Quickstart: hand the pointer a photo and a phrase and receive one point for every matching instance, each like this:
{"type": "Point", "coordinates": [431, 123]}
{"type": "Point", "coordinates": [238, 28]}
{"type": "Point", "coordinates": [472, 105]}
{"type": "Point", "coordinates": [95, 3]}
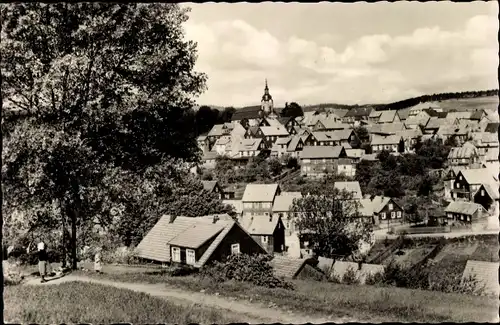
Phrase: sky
{"type": "Point", "coordinates": [345, 53]}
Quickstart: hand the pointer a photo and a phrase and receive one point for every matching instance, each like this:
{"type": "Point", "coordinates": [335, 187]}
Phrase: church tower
{"type": "Point", "coordinates": [266, 102]}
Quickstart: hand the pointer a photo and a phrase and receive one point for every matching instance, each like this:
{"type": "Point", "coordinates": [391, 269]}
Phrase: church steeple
{"type": "Point", "coordinates": [267, 100]}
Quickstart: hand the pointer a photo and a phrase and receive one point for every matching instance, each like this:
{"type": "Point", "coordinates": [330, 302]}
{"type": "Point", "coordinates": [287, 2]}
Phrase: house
{"type": "Point", "coordinates": [459, 115]}
{"type": "Point", "coordinates": [352, 188]}
{"type": "Point", "coordinates": [381, 210]}
{"type": "Point", "coordinates": [195, 241]}
{"type": "Point", "coordinates": [420, 120]}
{"type": "Point", "coordinates": [465, 156]}
{"type": "Point", "coordinates": [391, 143]}
{"type": "Point", "coordinates": [484, 141]}
{"type": "Point", "coordinates": [384, 116]}
{"type": "Point", "coordinates": [332, 138]}
{"type": "Point", "coordinates": [251, 132]}
{"type": "Point", "coordinates": [486, 273]}
{"type": "Point", "coordinates": [289, 123]}
{"type": "Point", "coordinates": [213, 187]}
{"type": "Point", "coordinates": [404, 113]}
{"type": "Point", "coordinates": [317, 161]}
{"type": "Point", "coordinates": [449, 180]}
{"type": "Point", "coordinates": [419, 108]}
{"type": "Point", "coordinates": [249, 148]}
{"type": "Point", "coordinates": [221, 144]}
{"type": "Point", "coordinates": [282, 207]}
{"type": "Point", "coordinates": [346, 166]}
{"type": "Point", "coordinates": [295, 146]}
{"type": "Point", "coordinates": [269, 134]}
{"type": "Point", "coordinates": [487, 195]}
{"type": "Point", "coordinates": [209, 159]}
{"type": "Point", "coordinates": [269, 231]}
{"type": "Point", "coordinates": [468, 181]}
{"type": "Point", "coordinates": [354, 154]}
{"type": "Point", "coordinates": [295, 268]}
{"type": "Point", "coordinates": [203, 143]}
{"type": "Point", "coordinates": [247, 116]}
{"type": "Point", "coordinates": [280, 147]}
{"type": "Point", "coordinates": [435, 113]}
{"type": "Point", "coordinates": [448, 131]}
{"type": "Point", "coordinates": [329, 124]}
{"type": "Point", "coordinates": [435, 123]}
{"type": "Point", "coordinates": [466, 212]}
{"type": "Point", "coordinates": [386, 129]}
{"type": "Point", "coordinates": [357, 114]}
{"type": "Point", "coordinates": [410, 138]}
{"type": "Point", "coordinates": [478, 115]}
{"type": "Point", "coordinates": [258, 199]}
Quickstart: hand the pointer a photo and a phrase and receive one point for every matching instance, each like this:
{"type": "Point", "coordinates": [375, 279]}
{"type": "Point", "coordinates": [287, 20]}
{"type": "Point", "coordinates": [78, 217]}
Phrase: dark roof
{"type": "Point", "coordinates": [251, 112]}
{"type": "Point", "coordinates": [287, 267]}
{"type": "Point", "coordinates": [359, 111]}
{"type": "Point", "coordinates": [477, 115]}
{"type": "Point", "coordinates": [252, 130]}
{"type": "Point", "coordinates": [284, 120]}
{"type": "Point", "coordinates": [492, 127]}
{"type": "Point", "coordinates": [433, 113]}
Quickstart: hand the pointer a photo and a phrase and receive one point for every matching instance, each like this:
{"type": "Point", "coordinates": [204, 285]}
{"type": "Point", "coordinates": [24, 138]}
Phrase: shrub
{"type": "Point", "coordinates": [120, 255]}
{"type": "Point", "coordinates": [374, 278]}
{"type": "Point", "coordinates": [254, 269]}
{"type": "Point", "coordinates": [334, 278]}
{"type": "Point", "coordinates": [350, 277]}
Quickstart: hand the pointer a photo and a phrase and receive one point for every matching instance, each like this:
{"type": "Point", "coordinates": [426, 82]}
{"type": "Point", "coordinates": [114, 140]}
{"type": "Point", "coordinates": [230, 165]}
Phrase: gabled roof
{"type": "Point", "coordinates": [386, 128]}
{"type": "Point", "coordinates": [387, 116]}
{"type": "Point", "coordinates": [466, 151]}
{"type": "Point", "coordinates": [283, 141]}
{"type": "Point", "coordinates": [433, 113]}
{"type": "Point", "coordinates": [486, 273]}
{"type": "Point", "coordinates": [201, 138]}
{"type": "Point", "coordinates": [260, 192]}
{"type": "Point", "coordinates": [416, 120]}
{"type": "Point", "coordinates": [381, 140]}
{"type": "Point", "coordinates": [463, 207]}
{"type": "Point", "coordinates": [197, 234]}
{"type": "Point", "coordinates": [370, 206]}
{"type": "Point", "coordinates": [492, 154]}
{"type": "Point", "coordinates": [492, 127]}
{"type": "Point", "coordinates": [422, 106]}
{"type": "Point", "coordinates": [459, 115]}
{"type": "Point", "coordinates": [331, 124]}
{"type": "Point", "coordinates": [350, 187]}
{"type": "Point", "coordinates": [285, 120]}
{"type": "Point", "coordinates": [435, 123]}
{"type": "Point", "coordinates": [410, 134]}
{"type": "Point", "coordinates": [259, 225]}
{"type": "Point", "coordinates": [249, 144]}
{"type": "Point", "coordinates": [403, 113]}
{"type": "Point", "coordinates": [217, 130]}
{"type": "Point", "coordinates": [340, 112]}
{"type": "Point", "coordinates": [319, 152]}
{"type": "Point", "coordinates": [252, 130]}
{"type": "Point", "coordinates": [478, 176]}
{"type": "Point", "coordinates": [294, 142]}
{"type": "Point", "coordinates": [287, 267]}
{"type": "Point", "coordinates": [273, 130]}
{"type": "Point", "coordinates": [477, 115]}
{"type": "Point", "coordinates": [491, 190]}
{"type": "Point", "coordinates": [451, 130]}
{"type": "Point", "coordinates": [355, 153]}
{"type": "Point", "coordinates": [223, 140]}
{"type": "Point", "coordinates": [359, 112]}
{"type": "Point", "coordinates": [209, 185]}
{"type": "Point", "coordinates": [336, 135]}
{"type": "Point", "coordinates": [284, 201]}
{"type": "Point", "coordinates": [154, 245]}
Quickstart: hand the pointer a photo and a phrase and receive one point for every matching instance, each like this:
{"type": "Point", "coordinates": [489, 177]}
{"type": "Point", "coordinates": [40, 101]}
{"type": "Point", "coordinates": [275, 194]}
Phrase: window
{"type": "Point", "coordinates": [393, 215]}
{"type": "Point", "coordinates": [264, 239]}
{"type": "Point", "coordinates": [382, 215]}
{"type": "Point", "coordinates": [190, 257]}
{"type": "Point", "coordinates": [390, 206]}
{"type": "Point", "coordinates": [468, 218]}
{"type": "Point", "coordinates": [399, 214]}
{"type": "Point", "coordinates": [458, 185]}
{"type": "Point", "coordinates": [176, 254]}
{"type": "Point", "coordinates": [235, 249]}
{"type": "Point", "coordinates": [460, 177]}
{"type": "Point", "coordinates": [482, 192]}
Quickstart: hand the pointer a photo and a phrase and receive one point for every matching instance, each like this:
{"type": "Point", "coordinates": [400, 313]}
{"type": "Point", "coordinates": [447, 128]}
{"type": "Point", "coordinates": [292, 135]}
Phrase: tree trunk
{"type": "Point", "coordinates": [73, 239]}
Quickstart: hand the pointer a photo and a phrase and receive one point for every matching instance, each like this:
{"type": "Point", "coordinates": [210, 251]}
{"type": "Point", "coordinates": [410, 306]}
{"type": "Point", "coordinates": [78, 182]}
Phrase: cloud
{"type": "Point", "coordinates": [373, 68]}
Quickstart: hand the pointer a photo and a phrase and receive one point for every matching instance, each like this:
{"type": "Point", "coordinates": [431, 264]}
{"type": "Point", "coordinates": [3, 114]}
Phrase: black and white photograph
{"type": "Point", "coordinates": [261, 163]}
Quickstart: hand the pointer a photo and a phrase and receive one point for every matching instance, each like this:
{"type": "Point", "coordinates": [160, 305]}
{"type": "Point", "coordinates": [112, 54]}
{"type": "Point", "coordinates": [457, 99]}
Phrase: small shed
{"type": "Point", "coordinates": [294, 268]}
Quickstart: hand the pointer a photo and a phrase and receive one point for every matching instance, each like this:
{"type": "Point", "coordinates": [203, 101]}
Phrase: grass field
{"type": "Point", "coordinates": [411, 256]}
{"type": "Point", "coordinates": [376, 304]}
{"type": "Point", "coordinates": [466, 104]}
{"type": "Point", "coordinates": [92, 303]}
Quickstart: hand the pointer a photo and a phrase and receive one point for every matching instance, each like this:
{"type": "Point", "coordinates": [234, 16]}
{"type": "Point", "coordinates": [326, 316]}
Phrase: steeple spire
{"type": "Point", "coordinates": [266, 89]}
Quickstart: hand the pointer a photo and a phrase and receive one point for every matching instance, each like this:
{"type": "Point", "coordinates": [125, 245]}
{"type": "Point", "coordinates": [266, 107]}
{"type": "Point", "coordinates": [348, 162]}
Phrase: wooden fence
{"type": "Point", "coordinates": [423, 230]}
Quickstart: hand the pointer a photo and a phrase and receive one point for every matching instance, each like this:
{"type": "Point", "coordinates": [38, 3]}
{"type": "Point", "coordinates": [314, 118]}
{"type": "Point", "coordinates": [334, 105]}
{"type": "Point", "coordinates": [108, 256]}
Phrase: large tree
{"type": "Point", "coordinates": [331, 223]}
{"type": "Point", "coordinates": [102, 86]}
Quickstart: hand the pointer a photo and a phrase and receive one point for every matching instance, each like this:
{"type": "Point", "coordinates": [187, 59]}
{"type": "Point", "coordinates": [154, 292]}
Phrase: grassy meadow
{"type": "Point", "coordinates": [367, 303]}
{"type": "Point", "coordinates": [77, 302]}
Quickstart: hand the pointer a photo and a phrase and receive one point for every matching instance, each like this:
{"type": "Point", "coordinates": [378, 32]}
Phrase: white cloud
{"type": "Point", "coordinates": [373, 68]}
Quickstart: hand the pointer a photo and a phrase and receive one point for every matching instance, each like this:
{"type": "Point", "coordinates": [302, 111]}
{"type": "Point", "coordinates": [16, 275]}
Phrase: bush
{"type": "Point", "coordinates": [374, 278]}
{"type": "Point", "coordinates": [253, 269]}
{"type": "Point", "coordinates": [120, 255]}
{"type": "Point", "coordinates": [350, 277]}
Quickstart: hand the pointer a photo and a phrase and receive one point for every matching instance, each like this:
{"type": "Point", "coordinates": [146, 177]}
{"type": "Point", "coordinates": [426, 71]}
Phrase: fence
{"type": "Point", "coordinates": [423, 230]}
{"type": "Point", "coordinates": [433, 253]}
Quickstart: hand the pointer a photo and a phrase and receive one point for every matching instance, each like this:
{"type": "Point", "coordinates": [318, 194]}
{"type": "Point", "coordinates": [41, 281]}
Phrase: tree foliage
{"type": "Point", "coordinates": [331, 223]}
{"type": "Point", "coordinates": [107, 91]}
{"type": "Point", "coordinates": [292, 110]}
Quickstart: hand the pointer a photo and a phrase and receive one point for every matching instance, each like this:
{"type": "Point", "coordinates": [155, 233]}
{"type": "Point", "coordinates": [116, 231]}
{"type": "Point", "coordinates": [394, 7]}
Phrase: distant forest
{"type": "Point", "coordinates": [410, 101]}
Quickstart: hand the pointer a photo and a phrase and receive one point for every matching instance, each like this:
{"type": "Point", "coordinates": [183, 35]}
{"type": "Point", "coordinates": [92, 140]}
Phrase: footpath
{"type": "Point", "coordinates": [251, 312]}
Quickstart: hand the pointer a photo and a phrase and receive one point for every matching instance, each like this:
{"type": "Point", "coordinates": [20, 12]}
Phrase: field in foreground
{"type": "Point", "coordinates": [364, 302]}
{"type": "Point", "coordinates": [76, 302]}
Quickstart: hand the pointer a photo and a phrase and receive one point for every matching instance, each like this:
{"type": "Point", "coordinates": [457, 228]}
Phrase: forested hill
{"type": "Point", "coordinates": [411, 101]}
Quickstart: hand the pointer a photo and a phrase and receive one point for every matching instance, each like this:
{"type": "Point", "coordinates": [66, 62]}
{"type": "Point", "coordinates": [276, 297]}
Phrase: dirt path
{"type": "Point", "coordinates": [250, 312]}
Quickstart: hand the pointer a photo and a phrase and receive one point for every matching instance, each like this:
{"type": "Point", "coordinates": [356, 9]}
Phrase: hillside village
{"type": "Point", "coordinates": [328, 145]}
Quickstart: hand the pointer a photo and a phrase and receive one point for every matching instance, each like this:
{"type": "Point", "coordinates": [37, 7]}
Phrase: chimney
{"type": "Point", "coordinates": [215, 219]}
{"type": "Point", "coordinates": [270, 217]}
{"type": "Point", "coordinates": [172, 219]}
{"type": "Point", "coordinates": [360, 265]}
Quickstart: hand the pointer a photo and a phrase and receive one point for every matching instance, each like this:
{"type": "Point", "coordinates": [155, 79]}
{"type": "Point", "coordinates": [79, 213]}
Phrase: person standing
{"type": "Point", "coordinates": [98, 261]}
{"type": "Point", "coordinates": [42, 261]}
